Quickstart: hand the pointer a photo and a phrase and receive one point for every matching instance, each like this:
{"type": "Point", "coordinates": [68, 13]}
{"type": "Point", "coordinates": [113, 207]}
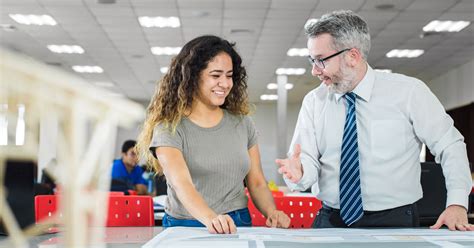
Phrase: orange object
{"type": "Point", "coordinates": [116, 193]}
{"type": "Point", "coordinates": [123, 210]}
{"type": "Point", "coordinates": [301, 210]}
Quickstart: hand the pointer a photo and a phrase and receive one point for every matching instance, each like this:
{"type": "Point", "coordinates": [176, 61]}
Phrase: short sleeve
{"type": "Point", "coordinates": [164, 137]}
{"type": "Point", "coordinates": [252, 132]}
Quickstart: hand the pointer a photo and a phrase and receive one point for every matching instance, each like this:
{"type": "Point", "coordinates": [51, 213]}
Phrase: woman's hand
{"type": "Point", "coordinates": [278, 218]}
{"type": "Point", "coordinates": [221, 224]}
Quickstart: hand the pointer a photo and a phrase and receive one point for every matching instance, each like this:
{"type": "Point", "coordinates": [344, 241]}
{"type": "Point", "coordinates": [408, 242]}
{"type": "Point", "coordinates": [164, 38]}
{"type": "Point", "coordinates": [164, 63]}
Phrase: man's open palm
{"type": "Point", "coordinates": [291, 167]}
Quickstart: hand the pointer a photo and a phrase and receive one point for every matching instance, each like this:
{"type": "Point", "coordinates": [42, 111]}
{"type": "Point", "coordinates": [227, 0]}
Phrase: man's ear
{"type": "Point", "coordinates": [354, 56]}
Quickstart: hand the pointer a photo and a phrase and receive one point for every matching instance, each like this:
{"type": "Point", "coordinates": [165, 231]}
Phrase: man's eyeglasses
{"type": "Point", "coordinates": [320, 62]}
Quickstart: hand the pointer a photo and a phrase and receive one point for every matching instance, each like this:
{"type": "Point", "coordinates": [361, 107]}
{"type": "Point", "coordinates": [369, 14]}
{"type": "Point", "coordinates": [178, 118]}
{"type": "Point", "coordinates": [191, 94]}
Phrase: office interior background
{"type": "Point", "coordinates": [125, 47]}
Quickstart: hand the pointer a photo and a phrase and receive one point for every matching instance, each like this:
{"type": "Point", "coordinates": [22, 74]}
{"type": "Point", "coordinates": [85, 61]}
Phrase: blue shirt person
{"type": "Point", "coordinates": [126, 174]}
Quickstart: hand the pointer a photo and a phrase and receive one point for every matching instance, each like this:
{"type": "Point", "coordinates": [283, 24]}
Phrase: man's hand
{"type": "Point", "coordinates": [455, 218]}
{"type": "Point", "coordinates": [278, 219]}
{"type": "Point", "coordinates": [222, 224]}
{"type": "Point", "coordinates": [291, 167]}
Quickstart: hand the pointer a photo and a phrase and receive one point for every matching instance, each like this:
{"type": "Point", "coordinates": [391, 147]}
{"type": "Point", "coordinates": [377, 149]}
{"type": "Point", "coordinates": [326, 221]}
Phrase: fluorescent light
{"type": "Point", "coordinates": [87, 69]}
{"type": "Point", "coordinates": [383, 70]}
{"type": "Point", "coordinates": [458, 26]}
{"type": "Point", "coordinates": [302, 52]}
{"type": "Point", "coordinates": [290, 71]}
{"type": "Point", "coordinates": [164, 70]}
{"type": "Point", "coordinates": [415, 53]}
{"type": "Point", "coordinates": [269, 97]}
{"type": "Point", "coordinates": [66, 49]}
{"type": "Point", "coordinates": [404, 53]}
{"type": "Point", "coordinates": [165, 50]}
{"type": "Point", "coordinates": [445, 26]}
{"type": "Point", "coordinates": [105, 84]}
{"type": "Point", "coordinates": [159, 21]}
{"type": "Point", "coordinates": [274, 86]}
{"type": "Point", "coordinates": [34, 19]}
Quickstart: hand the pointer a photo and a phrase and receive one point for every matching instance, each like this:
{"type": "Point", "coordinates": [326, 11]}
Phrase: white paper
{"type": "Point", "coordinates": [178, 237]}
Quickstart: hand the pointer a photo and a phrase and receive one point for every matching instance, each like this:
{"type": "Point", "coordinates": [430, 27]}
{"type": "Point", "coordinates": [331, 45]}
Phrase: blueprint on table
{"type": "Point", "coordinates": [261, 237]}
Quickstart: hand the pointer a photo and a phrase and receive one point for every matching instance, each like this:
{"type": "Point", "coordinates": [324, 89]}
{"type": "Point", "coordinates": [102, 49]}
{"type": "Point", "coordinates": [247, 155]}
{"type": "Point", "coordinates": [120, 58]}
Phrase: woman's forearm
{"type": "Point", "coordinates": [263, 199]}
{"type": "Point", "coordinates": [194, 203]}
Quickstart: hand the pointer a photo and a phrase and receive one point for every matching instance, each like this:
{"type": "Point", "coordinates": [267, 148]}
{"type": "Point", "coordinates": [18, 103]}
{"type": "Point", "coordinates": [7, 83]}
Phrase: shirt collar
{"type": "Point", "coordinates": [364, 89]}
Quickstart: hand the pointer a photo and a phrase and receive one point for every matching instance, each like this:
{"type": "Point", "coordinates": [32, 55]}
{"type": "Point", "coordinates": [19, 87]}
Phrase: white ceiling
{"type": "Point", "coordinates": [114, 40]}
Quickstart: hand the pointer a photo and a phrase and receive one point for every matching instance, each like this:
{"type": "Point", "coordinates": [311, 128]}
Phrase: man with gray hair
{"type": "Point", "coordinates": [359, 134]}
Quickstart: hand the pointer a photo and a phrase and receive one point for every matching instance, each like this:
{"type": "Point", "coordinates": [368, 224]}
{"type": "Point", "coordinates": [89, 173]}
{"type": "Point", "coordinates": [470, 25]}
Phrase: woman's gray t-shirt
{"type": "Point", "coordinates": [217, 159]}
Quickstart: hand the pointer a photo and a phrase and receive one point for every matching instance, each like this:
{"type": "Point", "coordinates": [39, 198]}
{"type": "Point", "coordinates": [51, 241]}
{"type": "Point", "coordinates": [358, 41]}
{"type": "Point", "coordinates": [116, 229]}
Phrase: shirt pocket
{"type": "Point", "coordinates": [388, 139]}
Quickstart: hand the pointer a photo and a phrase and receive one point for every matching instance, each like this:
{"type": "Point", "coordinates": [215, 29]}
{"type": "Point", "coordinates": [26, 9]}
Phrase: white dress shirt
{"type": "Point", "coordinates": [396, 114]}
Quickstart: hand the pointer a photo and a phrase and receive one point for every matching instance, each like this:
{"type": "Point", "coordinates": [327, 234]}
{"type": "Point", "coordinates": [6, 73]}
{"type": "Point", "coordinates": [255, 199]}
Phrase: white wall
{"type": "Point", "coordinates": [456, 87]}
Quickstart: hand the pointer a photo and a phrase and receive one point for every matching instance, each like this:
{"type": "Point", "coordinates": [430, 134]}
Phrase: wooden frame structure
{"type": "Point", "coordinates": [84, 156]}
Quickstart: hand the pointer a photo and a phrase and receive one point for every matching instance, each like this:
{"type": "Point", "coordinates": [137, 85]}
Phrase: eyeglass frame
{"type": "Point", "coordinates": [313, 61]}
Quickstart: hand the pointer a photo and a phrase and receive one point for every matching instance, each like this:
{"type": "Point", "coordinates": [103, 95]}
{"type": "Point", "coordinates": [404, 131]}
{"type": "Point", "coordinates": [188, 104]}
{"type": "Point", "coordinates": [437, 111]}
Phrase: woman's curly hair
{"type": "Point", "coordinates": [174, 94]}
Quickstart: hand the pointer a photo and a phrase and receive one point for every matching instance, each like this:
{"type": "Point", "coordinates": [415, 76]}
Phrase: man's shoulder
{"type": "Point", "coordinates": [317, 96]}
{"type": "Point", "coordinates": [319, 93]}
{"type": "Point", "coordinates": [116, 163]}
{"type": "Point", "coordinates": [397, 79]}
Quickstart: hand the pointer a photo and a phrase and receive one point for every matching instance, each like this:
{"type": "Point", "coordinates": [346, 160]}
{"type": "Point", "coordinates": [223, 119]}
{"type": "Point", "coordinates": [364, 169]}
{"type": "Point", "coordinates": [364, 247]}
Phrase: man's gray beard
{"type": "Point", "coordinates": [345, 83]}
{"type": "Point", "coordinates": [341, 87]}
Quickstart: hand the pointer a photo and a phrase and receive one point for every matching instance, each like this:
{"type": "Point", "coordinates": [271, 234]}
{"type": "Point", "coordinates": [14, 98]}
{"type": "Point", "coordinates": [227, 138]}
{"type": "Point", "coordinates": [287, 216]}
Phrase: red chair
{"type": "Point", "coordinates": [123, 210]}
{"type": "Point", "coordinates": [301, 210]}
{"type": "Point", "coordinates": [45, 207]}
{"type": "Point", "coordinates": [130, 211]}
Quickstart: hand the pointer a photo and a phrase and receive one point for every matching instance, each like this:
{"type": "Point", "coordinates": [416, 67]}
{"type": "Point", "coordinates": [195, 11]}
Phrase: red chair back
{"type": "Point", "coordinates": [301, 210]}
{"type": "Point", "coordinates": [123, 210]}
{"type": "Point", "coordinates": [130, 211]}
{"type": "Point", "coordinates": [45, 207]}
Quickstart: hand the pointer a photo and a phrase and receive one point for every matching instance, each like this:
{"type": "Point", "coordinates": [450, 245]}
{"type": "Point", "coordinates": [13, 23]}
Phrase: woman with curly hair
{"type": "Point", "coordinates": [197, 133]}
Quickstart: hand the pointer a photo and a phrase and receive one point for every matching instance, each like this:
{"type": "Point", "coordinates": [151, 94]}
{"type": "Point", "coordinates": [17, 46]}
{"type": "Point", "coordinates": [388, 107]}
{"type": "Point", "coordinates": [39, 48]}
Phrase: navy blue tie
{"type": "Point", "coordinates": [350, 196]}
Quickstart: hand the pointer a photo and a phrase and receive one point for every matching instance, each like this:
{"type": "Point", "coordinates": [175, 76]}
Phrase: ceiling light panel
{"type": "Point", "coordinates": [87, 69]}
{"type": "Point", "coordinates": [159, 21]}
{"type": "Point", "coordinates": [34, 19]}
{"type": "Point", "coordinates": [302, 52]}
{"type": "Point", "coordinates": [290, 71]}
{"type": "Point", "coordinates": [165, 50]}
{"type": "Point", "coordinates": [66, 49]}
{"type": "Point", "coordinates": [274, 86]}
{"type": "Point", "coordinates": [445, 26]}
{"type": "Point", "coordinates": [404, 53]}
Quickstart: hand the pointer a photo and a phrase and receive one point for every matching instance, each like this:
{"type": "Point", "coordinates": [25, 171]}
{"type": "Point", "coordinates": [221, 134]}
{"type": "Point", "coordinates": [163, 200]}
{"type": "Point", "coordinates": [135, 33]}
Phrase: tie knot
{"type": "Point", "coordinates": [350, 98]}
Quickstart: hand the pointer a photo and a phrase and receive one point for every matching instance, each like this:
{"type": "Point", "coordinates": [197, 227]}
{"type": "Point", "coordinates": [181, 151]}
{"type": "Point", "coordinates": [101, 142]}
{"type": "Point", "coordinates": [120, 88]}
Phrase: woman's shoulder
{"type": "Point", "coordinates": [239, 119]}
{"type": "Point", "coordinates": [163, 127]}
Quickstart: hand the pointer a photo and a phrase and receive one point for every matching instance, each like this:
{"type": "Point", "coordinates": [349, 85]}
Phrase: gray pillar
{"type": "Point", "coordinates": [281, 116]}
